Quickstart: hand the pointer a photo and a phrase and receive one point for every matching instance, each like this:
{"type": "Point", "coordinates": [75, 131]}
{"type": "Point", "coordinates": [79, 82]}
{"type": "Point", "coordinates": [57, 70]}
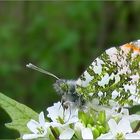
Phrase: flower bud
{"type": "Point", "coordinates": [95, 132]}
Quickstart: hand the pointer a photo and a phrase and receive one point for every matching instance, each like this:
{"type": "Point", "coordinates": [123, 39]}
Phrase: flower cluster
{"type": "Point", "coordinates": [91, 123]}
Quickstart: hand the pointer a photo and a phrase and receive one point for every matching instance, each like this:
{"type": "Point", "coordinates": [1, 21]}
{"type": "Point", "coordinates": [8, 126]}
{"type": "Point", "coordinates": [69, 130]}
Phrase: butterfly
{"type": "Point", "coordinates": [114, 75]}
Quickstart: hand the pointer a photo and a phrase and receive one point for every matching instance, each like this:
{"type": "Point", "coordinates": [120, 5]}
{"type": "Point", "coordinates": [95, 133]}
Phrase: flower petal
{"type": "Point", "coordinates": [133, 117]}
{"type": "Point", "coordinates": [78, 127]}
{"type": "Point", "coordinates": [112, 125]}
{"type": "Point", "coordinates": [29, 136]}
{"type": "Point", "coordinates": [66, 134]}
{"type": "Point", "coordinates": [132, 136]}
{"type": "Point", "coordinates": [71, 114]}
{"type": "Point", "coordinates": [87, 134]}
{"type": "Point", "coordinates": [107, 136]}
{"type": "Point", "coordinates": [73, 120]}
{"type": "Point", "coordinates": [55, 124]}
{"type": "Point", "coordinates": [41, 119]}
{"type": "Point", "coordinates": [55, 111]}
{"type": "Point", "coordinates": [47, 124]}
{"type": "Point", "coordinates": [124, 126]}
{"type": "Point", "coordinates": [32, 125]}
{"type": "Point", "coordinates": [125, 111]}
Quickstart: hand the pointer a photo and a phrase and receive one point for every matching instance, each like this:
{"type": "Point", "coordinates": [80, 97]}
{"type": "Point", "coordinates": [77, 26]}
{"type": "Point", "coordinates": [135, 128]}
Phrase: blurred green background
{"type": "Point", "coordinates": [61, 37]}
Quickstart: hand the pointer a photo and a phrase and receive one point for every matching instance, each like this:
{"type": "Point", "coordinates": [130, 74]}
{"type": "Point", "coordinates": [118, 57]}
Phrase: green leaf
{"type": "Point", "coordinates": [19, 113]}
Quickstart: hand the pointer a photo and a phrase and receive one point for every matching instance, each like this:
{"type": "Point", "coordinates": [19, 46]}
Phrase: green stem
{"type": "Point", "coordinates": [137, 127]}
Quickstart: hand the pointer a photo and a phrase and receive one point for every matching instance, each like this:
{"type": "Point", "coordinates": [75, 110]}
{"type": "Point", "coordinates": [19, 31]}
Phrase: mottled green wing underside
{"type": "Point", "coordinates": [114, 75]}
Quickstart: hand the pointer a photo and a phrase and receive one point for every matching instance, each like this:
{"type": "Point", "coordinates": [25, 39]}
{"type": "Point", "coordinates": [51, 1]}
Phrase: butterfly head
{"type": "Point", "coordinates": [61, 86]}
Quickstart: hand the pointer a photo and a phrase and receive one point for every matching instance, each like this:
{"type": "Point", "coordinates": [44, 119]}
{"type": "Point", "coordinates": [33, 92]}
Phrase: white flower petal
{"type": "Point", "coordinates": [107, 136]}
{"type": "Point", "coordinates": [125, 111]}
{"type": "Point", "coordinates": [112, 125]}
{"type": "Point", "coordinates": [87, 134]}
{"type": "Point", "coordinates": [41, 118]}
{"type": "Point", "coordinates": [55, 111]}
{"type": "Point", "coordinates": [73, 120]}
{"type": "Point", "coordinates": [38, 129]}
{"type": "Point", "coordinates": [56, 124]}
{"type": "Point", "coordinates": [47, 124]}
{"type": "Point", "coordinates": [66, 134]}
{"type": "Point", "coordinates": [32, 125]}
{"type": "Point", "coordinates": [124, 126]}
{"type": "Point", "coordinates": [132, 136]}
{"type": "Point", "coordinates": [70, 115]}
{"type": "Point", "coordinates": [132, 118]}
{"type": "Point", "coordinates": [78, 127]}
{"type": "Point", "coordinates": [29, 136]}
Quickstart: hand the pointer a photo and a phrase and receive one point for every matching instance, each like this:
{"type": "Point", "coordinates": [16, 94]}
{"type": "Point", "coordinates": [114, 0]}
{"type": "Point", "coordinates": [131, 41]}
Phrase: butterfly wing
{"type": "Point", "coordinates": [114, 75]}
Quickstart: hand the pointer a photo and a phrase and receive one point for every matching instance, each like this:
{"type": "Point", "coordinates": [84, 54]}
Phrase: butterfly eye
{"type": "Point", "coordinates": [64, 87]}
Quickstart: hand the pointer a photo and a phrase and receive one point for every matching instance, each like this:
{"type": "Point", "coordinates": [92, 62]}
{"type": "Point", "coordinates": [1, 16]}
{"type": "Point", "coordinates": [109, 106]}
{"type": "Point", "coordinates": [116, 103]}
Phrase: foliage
{"type": "Point", "coordinates": [19, 113]}
{"type": "Point", "coordinates": [63, 37]}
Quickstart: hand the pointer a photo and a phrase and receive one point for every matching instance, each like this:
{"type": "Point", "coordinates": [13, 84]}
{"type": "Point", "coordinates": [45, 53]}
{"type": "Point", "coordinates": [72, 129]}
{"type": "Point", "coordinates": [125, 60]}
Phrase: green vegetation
{"type": "Point", "coordinates": [62, 37]}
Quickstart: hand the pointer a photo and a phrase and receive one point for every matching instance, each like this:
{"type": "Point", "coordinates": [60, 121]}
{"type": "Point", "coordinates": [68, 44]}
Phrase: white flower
{"type": "Point", "coordinates": [61, 116]}
{"type": "Point", "coordinates": [67, 134]}
{"type": "Point", "coordinates": [120, 112]}
{"type": "Point", "coordinates": [116, 112]}
{"type": "Point", "coordinates": [82, 132]}
{"type": "Point", "coordinates": [39, 129]}
{"type": "Point", "coordinates": [94, 104]}
{"type": "Point", "coordinates": [77, 127]}
{"type": "Point", "coordinates": [122, 130]}
{"type": "Point", "coordinates": [87, 134]}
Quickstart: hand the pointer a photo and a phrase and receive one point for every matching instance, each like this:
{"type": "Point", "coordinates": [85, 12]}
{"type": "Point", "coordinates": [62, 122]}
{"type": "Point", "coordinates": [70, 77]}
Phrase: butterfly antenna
{"type": "Point", "coordinates": [31, 66]}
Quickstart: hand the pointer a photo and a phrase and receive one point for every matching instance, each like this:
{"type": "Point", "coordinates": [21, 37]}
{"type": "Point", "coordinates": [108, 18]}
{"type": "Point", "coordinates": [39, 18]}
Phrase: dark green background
{"type": "Point", "coordinates": [62, 37]}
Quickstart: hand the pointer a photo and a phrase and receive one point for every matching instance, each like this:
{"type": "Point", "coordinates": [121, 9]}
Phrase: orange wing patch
{"type": "Point", "coordinates": [132, 46]}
